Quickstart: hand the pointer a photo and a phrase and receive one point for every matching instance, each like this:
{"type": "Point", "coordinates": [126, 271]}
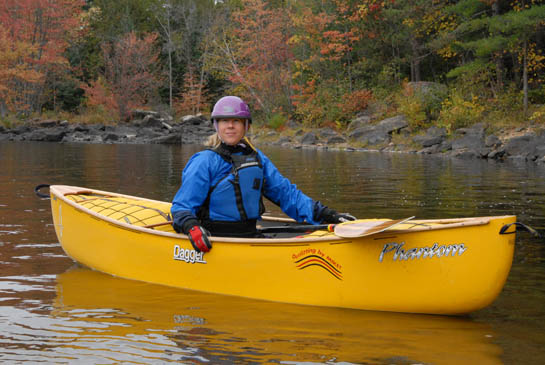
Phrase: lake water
{"type": "Point", "coordinates": [54, 311]}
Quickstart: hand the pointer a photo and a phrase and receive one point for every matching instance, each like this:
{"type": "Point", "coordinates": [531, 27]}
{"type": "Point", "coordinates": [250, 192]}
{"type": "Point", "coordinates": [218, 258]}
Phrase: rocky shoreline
{"type": "Point", "coordinates": [363, 134]}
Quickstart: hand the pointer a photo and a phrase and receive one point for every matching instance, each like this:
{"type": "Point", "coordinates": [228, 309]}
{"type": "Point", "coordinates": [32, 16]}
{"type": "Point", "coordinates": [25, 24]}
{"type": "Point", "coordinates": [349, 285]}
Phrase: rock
{"type": "Point", "coordinates": [151, 121]}
{"type": "Point", "coordinates": [172, 138]}
{"type": "Point", "coordinates": [194, 119]}
{"type": "Point", "coordinates": [476, 130]}
{"type": "Point", "coordinates": [358, 122]}
{"type": "Point", "coordinates": [492, 141]}
{"type": "Point", "coordinates": [52, 135]}
{"type": "Point", "coordinates": [326, 132]}
{"type": "Point", "coordinates": [470, 142]}
{"type": "Point", "coordinates": [141, 114]}
{"type": "Point", "coordinates": [496, 154]}
{"type": "Point", "coordinates": [47, 123]}
{"type": "Point", "coordinates": [80, 128]}
{"type": "Point", "coordinates": [110, 137]}
{"type": "Point", "coordinates": [336, 140]}
{"type": "Point", "coordinates": [148, 134]}
{"type": "Point", "coordinates": [309, 138]}
{"type": "Point", "coordinates": [55, 135]}
{"type": "Point", "coordinates": [393, 124]}
{"type": "Point", "coordinates": [432, 141]}
{"type": "Point", "coordinates": [376, 137]}
{"type": "Point", "coordinates": [430, 150]}
{"type": "Point", "coordinates": [540, 150]}
{"type": "Point", "coordinates": [370, 135]}
{"type": "Point", "coordinates": [380, 133]}
{"type": "Point", "coordinates": [467, 154]}
{"type": "Point", "coordinates": [529, 146]}
{"type": "Point", "coordinates": [361, 131]}
{"type": "Point", "coordinates": [2, 129]}
{"type": "Point", "coordinates": [21, 129]}
{"type": "Point", "coordinates": [125, 130]}
{"type": "Point", "coordinates": [283, 139]}
{"type": "Point", "coordinates": [445, 146]}
{"type": "Point", "coordinates": [433, 136]}
{"type": "Point", "coordinates": [37, 135]}
{"type": "Point", "coordinates": [521, 146]}
{"type": "Point", "coordinates": [75, 137]}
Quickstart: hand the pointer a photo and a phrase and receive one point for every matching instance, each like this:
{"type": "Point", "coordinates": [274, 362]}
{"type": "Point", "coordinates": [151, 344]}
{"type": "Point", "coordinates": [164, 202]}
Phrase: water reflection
{"type": "Point", "coordinates": [140, 318]}
{"type": "Point", "coordinates": [108, 320]}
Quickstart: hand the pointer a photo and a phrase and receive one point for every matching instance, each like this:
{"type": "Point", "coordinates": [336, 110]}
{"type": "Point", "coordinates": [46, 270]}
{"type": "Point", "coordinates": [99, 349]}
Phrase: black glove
{"type": "Point", "coordinates": [332, 216]}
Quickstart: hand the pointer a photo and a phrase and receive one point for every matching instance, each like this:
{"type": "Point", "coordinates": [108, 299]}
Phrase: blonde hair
{"type": "Point", "coordinates": [214, 141]}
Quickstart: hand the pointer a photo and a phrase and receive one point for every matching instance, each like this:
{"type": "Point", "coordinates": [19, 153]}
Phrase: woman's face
{"type": "Point", "coordinates": [231, 131]}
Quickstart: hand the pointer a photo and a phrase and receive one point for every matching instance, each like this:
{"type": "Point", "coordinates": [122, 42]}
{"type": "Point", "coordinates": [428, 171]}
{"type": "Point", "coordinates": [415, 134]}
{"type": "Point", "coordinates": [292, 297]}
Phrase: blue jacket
{"type": "Point", "coordinates": [206, 168]}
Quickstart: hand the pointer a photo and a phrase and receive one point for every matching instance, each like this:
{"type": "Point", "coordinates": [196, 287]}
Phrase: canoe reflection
{"type": "Point", "coordinates": [220, 328]}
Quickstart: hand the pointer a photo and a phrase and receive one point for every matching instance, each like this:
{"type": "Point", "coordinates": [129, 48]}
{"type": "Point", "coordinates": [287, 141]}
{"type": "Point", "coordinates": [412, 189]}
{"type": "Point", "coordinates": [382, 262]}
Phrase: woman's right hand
{"type": "Point", "coordinates": [198, 236]}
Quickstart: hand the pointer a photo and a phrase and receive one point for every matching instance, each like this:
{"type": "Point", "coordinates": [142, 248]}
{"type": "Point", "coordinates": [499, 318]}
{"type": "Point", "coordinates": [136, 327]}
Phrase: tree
{"type": "Point", "coordinates": [249, 48]}
{"type": "Point", "coordinates": [516, 29]}
{"type": "Point", "coordinates": [39, 30]}
{"type": "Point", "coordinates": [193, 98]}
{"type": "Point", "coordinates": [129, 79]}
{"type": "Point", "coordinates": [15, 71]}
{"type": "Point", "coordinates": [182, 26]}
{"type": "Point", "coordinates": [488, 31]}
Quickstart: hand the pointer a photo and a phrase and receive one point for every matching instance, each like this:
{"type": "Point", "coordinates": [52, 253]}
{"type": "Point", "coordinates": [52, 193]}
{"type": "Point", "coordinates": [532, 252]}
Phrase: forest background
{"type": "Point", "coordinates": [318, 62]}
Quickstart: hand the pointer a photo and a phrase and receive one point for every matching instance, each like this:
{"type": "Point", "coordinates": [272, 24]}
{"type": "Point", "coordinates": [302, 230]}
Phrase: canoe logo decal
{"type": "Point", "coordinates": [189, 256]}
{"type": "Point", "coordinates": [399, 253]}
{"type": "Point", "coordinates": [311, 257]}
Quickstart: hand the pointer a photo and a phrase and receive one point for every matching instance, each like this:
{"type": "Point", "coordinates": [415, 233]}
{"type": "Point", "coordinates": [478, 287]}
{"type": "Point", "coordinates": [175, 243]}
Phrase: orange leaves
{"type": "Point", "coordinates": [338, 43]}
{"type": "Point", "coordinates": [193, 99]}
{"type": "Point", "coordinates": [99, 94]}
{"type": "Point", "coordinates": [257, 54]}
{"type": "Point", "coordinates": [128, 80]}
{"type": "Point", "coordinates": [356, 101]}
{"type": "Point", "coordinates": [33, 39]}
{"type": "Point", "coordinates": [15, 72]}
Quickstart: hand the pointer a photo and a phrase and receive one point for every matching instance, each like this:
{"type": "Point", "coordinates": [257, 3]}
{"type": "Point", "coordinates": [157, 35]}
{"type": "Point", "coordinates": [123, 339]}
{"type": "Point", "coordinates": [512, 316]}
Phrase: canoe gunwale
{"type": "Point", "coordinates": [61, 191]}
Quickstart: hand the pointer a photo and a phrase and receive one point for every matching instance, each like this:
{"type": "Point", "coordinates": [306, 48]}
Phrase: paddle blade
{"type": "Point", "coordinates": [361, 229]}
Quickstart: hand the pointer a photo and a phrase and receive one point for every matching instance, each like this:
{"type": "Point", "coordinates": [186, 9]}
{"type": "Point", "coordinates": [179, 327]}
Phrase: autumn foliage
{"type": "Point", "coordinates": [128, 80]}
{"type": "Point", "coordinates": [34, 35]}
{"type": "Point", "coordinates": [320, 62]}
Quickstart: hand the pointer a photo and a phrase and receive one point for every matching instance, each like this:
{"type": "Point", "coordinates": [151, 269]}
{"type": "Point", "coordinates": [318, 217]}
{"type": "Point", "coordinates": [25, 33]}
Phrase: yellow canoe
{"type": "Point", "coordinates": [450, 266]}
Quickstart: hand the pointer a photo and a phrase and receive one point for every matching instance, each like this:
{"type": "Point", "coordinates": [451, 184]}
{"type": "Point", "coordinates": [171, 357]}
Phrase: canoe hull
{"type": "Point", "coordinates": [443, 271]}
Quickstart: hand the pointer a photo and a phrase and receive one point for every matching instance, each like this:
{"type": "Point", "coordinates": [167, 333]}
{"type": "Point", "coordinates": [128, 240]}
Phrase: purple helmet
{"type": "Point", "coordinates": [231, 107]}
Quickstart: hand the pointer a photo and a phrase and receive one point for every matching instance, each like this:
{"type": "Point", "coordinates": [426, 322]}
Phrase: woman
{"type": "Point", "coordinates": [222, 187]}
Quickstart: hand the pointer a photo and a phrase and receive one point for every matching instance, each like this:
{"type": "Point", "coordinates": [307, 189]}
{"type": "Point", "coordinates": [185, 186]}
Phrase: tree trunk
{"type": "Point", "coordinates": [498, 57]}
{"type": "Point", "coordinates": [170, 74]}
{"type": "Point", "coordinates": [415, 61]}
{"type": "Point", "coordinates": [3, 111]}
{"type": "Point", "coordinates": [525, 77]}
